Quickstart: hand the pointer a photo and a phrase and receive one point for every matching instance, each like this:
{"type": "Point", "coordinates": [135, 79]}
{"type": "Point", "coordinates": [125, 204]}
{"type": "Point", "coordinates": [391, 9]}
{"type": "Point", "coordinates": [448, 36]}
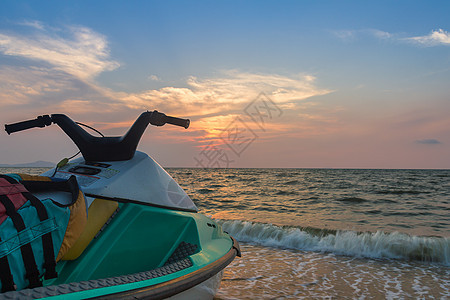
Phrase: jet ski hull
{"type": "Point", "coordinates": [136, 255]}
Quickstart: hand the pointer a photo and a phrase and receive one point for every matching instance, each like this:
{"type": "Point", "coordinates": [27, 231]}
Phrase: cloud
{"type": "Point", "coordinates": [428, 142]}
{"type": "Point", "coordinates": [227, 93]}
{"type": "Point", "coordinates": [41, 87]}
{"type": "Point", "coordinates": [380, 34]}
{"type": "Point", "coordinates": [22, 85]}
{"type": "Point", "coordinates": [63, 62]}
{"type": "Point", "coordinates": [213, 103]}
{"type": "Point", "coordinates": [35, 24]}
{"type": "Point", "coordinates": [434, 38]}
{"type": "Point", "coordinates": [345, 34]}
{"type": "Point", "coordinates": [154, 78]}
{"type": "Point", "coordinates": [75, 50]}
{"type": "Point", "coordinates": [56, 71]}
{"type": "Point", "coordinates": [58, 67]}
{"type": "Point", "coordinates": [209, 102]}
{"type": "Point", "coordinates": [349, 35]}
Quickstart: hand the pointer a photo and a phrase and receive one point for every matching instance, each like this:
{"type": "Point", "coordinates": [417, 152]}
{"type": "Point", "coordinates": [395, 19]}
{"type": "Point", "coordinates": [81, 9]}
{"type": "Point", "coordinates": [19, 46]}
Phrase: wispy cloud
{"type": "Point", "coordinates": [34, 24]}
{"type": "Point", "coordinates": [19, 85]}
{"type": "Point", "coordinates": [429, 142]}
{"type": "Point", "coordinates": [349, 35]}
{"type": "Point", "coordinates": [380, 34]}
{"type": "Point", "coordinates": [41, 87]}
{"type": "Point", "coordinates": [227, 93]}
{"type": "Point", "coordinates": [344, 35]}
{"type": "Point", "coordinates": [154, 78]}
{"type": "Point", "coordinates": [434, 38]}
{"type": "Point", "coordinates": [213, 103]}
{"type": "Point", "coordinates": [76, 50]}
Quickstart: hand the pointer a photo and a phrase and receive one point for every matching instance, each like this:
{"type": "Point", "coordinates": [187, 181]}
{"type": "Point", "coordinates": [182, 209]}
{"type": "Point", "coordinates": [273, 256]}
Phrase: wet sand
{"type": "Point", "coordinates": [269, 273]}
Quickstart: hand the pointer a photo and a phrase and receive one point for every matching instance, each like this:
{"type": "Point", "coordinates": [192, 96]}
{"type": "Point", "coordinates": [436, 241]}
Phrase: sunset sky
{"type": "Point", "coordinates": [321, 84]}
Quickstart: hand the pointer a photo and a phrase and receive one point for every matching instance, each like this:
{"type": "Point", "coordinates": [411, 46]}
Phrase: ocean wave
{"type": "Point", "coordinates": [379, 245]}
{"type": "Point", "coordinates": [283, 174]}
{"type": "Point", "coordinates": [292, 182]}
{"type": "Point", "coordinates": [205, 191]}
{"type": "Point", "coordinates": [401, 192]}
{"type": "Point", "coordinates": [281, 192]}
{"type": "Point", "coordinates": [352, 200]}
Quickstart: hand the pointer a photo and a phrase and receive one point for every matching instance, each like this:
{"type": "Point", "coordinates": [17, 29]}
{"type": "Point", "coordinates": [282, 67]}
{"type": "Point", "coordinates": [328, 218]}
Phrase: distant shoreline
{"type": "Point", "coordinates": [36, 164]}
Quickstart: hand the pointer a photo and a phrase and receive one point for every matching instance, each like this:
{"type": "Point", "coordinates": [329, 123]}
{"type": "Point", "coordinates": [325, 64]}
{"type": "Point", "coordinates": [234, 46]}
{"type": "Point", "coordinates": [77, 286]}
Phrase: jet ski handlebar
{"type": "Point", "coordinates": [40, 121]}
{"type": "Point", "coordinates": [102, 148]}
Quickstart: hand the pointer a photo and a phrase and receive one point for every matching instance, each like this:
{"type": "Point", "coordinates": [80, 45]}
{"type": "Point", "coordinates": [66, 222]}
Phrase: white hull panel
{"type": "Point", "coordinates": [205, 290]}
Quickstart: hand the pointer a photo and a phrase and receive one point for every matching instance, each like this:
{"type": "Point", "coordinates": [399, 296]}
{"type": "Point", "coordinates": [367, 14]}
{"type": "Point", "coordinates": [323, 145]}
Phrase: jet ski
{"type": "Point", "coordinates": [143, 237]}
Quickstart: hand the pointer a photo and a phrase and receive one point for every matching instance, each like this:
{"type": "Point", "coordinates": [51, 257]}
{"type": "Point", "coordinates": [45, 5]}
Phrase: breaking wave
{"type": "Point", "coordinates": [379, 245]}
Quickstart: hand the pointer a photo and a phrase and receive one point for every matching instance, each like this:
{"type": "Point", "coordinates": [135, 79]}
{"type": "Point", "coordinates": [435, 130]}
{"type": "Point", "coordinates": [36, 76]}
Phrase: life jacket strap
{"type": "Point", "coordinates": [5, 275]}
{"type": "Point", "coordinates": [47, 240]}
{"type": "Point", "coordinates": [33, 278]}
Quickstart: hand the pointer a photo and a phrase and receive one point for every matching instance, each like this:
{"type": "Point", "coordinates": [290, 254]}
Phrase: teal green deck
{"type": "Point", "coordinates": [141, 238]}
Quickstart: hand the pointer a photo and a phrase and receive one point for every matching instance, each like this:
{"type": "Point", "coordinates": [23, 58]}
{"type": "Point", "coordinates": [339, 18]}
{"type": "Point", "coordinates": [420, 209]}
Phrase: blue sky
{"type": "Point", "coordinates": [360, 84]}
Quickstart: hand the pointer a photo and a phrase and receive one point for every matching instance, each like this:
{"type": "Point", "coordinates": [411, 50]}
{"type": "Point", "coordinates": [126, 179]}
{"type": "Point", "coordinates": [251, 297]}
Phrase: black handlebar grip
{"type": "Point", "coordinates": [40, 121]}
{"type": "Point", "coordinates": [178, 121]}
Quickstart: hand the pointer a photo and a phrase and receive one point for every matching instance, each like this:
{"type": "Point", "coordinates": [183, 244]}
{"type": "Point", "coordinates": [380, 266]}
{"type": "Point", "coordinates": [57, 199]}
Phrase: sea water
{"type": "Point", "coordinates": [327, 233]}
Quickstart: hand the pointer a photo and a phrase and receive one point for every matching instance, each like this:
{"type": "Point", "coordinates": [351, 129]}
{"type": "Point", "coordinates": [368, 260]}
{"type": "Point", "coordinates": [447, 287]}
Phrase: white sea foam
{"type": "Point", "coordinates": [382, 245]}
